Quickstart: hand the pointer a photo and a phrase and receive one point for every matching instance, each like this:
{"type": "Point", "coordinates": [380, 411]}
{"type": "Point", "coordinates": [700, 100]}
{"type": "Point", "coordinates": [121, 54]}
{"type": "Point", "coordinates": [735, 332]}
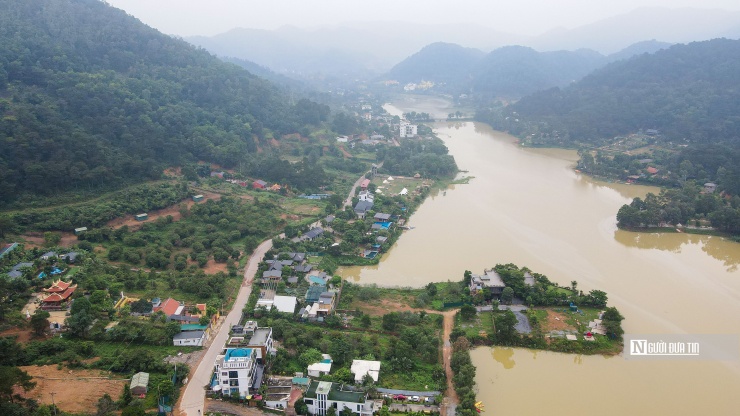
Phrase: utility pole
{"type": "Point", "coordinates": [53, 404]}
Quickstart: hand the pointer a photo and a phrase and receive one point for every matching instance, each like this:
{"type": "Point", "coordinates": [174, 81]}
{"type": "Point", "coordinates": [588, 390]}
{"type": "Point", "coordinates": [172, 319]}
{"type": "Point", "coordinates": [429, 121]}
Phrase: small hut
{"type": "Point", "coordinates": [139, 384]}
{"type": "Point", "coordinates": [142, 217]}
{"type": "Point", "coordinates": [80, 230]}
{"type": "Point", "coordinates": [197, 198]}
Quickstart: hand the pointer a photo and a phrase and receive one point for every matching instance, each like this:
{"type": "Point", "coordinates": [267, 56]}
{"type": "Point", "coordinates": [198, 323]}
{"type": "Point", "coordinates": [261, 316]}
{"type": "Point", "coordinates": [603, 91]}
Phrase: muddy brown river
{"type": "Point", "coordinates": [528, 207]}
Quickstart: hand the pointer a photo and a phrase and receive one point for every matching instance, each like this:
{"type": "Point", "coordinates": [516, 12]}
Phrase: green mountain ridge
{"type": "Point", "coordinates": [91, 98]}
{"type": "Point", "coordinates": [686, 92]}
{"type": "Point", "coordinates": [509, 72]}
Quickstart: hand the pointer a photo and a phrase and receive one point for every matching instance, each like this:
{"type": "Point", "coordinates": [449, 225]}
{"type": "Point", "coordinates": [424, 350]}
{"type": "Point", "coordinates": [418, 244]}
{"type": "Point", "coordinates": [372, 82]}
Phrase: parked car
{"type": "Point", "coordinates": [414, 398]}
{"type": "Point", "coordinates": [399, 397]}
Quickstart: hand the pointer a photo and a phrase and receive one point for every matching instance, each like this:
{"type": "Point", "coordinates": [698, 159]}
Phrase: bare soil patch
{"type": "Point", "coordinates": [175, 172]}
{"type": "Point", "coordinates": [212, 267]}
{"type": "Point", "coordinates": [76, 391]}
{"type": "Point", "coordinates": [556, 322]}
{"type": "Point", "coordinates": [346, 154]}
{"type": "Point", "coordinates": [23, 336]}
{"type": "Point", "coordinates": [173, 210]}
{"type": "Point", "coordinates": [385, 306]}
{"type": "Point", "coordinates": [35, 239]}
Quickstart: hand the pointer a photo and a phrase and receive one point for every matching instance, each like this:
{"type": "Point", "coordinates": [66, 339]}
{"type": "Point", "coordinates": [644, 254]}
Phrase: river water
{"type": "Point", "coordinates": [528, 207]}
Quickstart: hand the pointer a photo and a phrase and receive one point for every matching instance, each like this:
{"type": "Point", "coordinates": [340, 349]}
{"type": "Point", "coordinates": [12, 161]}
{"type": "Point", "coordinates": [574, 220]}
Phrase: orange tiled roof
{"type": "Point", "coordinates": [58, 286]}
{"type": "Point", "coordinates": [169, 307]}
{"type": "Point", "coordinates": [59, 297]}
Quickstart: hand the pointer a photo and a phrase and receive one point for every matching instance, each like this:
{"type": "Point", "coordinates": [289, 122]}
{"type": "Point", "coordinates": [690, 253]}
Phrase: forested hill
{"type": "Point", "coordinates": [438, 62]}
{"type": "Point", "coordinates": [685, 92]}
{"type": "Point", "coordinates": [515, 71]}
{"type": "Point", "coordinates": [510, 72]}
{"type": "Point", "coordinates": [90, 97]}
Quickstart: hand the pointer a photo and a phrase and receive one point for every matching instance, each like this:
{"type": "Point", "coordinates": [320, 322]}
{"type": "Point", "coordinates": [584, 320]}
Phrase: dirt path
{"type": "Point", "coordinates": [173, 210]}
{"type": "Point", "coordinates": [450, 401]}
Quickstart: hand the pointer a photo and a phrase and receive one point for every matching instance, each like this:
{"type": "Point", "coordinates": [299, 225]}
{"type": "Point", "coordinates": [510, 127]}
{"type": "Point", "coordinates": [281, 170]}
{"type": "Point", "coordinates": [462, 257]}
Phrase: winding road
{"type": "Point", "coordinates": [192, 400]}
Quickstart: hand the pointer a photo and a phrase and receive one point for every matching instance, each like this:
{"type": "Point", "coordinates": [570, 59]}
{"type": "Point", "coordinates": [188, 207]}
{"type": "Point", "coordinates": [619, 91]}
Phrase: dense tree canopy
{"type": "Point", "coordinates": [91, 98]}
{"type": "Point", "coordinates": [685, 92]}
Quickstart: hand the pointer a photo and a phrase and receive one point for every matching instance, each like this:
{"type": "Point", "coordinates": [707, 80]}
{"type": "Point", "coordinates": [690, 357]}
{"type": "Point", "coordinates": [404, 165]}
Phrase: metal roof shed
{"type": "Point", "coordinates": [139, 383]}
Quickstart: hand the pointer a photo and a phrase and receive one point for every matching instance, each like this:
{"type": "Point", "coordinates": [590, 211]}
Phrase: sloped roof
{"type": "Point", "coordinates": [58, 297]}
{"type": "Point", "coordinates": [58, 287]}
{"type": "Point", "coordinates": [140, 380]}
{"type": "Point", "coordinates": [169, 307]}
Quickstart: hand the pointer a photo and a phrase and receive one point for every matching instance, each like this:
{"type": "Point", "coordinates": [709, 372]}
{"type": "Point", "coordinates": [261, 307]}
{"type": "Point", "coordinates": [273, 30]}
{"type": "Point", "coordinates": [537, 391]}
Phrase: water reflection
{"type": "Point", "coordinates": [716, 247]}
{"type": "Point", "coordinates": [505, 356]}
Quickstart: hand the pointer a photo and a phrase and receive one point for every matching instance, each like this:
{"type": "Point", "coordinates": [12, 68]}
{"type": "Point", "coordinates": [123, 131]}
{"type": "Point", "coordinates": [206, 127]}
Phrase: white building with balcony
{"type": "Point", "coordinates": [407, 129]}
{"type": "Point", "coordinates": [323, 395]}
{"type": "Point", "coordinates": [235, 371]}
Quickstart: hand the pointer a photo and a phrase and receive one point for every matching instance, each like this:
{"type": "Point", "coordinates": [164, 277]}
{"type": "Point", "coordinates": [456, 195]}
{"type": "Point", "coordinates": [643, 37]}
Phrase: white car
{"type": "Point", "coordinates": [414, 398]}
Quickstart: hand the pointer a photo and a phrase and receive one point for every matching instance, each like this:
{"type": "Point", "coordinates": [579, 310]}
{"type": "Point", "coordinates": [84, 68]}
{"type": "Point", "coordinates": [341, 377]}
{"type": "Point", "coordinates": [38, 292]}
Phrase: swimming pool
{"type": "Point", "coordinates": [384, 224]}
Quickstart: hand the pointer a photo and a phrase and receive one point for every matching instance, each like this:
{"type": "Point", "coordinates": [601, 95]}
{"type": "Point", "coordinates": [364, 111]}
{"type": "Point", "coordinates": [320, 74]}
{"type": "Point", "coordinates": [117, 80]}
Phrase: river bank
{"type": "Point", "coordinates": [528, 206]}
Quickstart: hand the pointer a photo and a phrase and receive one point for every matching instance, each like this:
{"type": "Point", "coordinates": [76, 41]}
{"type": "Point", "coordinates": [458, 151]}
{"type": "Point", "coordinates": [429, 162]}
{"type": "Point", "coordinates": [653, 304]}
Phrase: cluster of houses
{"type": "Point", "coordinates": [192, 333]}
{"type": "Point", "coordinates": [319, 300]}
{"type": "Point", "coordinates": [323, 395]}
{"type": "Point", "coordinates": [67, 258]}
{"type": "Point", "coordinates": [256, 184]}
{"type": "Point", "coordinates": [239, 371]}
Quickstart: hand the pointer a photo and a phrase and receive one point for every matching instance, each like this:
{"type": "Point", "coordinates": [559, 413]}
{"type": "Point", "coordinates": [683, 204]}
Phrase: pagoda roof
{"type": "Point", "coordinates": [58, 287]}
{"type": "Point", "coordinates": [59, 297]}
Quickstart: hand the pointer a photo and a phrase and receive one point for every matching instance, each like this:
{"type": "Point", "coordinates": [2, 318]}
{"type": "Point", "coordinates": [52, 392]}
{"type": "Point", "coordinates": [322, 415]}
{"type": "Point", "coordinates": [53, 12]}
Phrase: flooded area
{"type": "Point", "coordinates": [528, 207]}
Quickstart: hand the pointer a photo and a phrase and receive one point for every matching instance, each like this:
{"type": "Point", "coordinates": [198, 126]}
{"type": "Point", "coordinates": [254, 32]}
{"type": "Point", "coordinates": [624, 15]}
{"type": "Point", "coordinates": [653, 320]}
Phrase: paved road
{"type": "Point", "coordinates": [191, 402]}
{"type": "Point", "coordinates": [409, 393]}
{"type": "Point", "coordinates": [413, 407]}
{"type": "Point", "coordinates": [348, 201]}
{"type": "Point", "coordinates": [522, 323]}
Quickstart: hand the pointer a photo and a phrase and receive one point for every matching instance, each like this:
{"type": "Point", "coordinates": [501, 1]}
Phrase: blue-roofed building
{"type": "Point", "coordinates": [237, 372]}
{"type": "Point", "coordinates": [7, 249]}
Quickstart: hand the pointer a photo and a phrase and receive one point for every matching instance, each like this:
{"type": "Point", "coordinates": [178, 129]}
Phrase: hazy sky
{"type": "Point", "coordinates": [528, 17]}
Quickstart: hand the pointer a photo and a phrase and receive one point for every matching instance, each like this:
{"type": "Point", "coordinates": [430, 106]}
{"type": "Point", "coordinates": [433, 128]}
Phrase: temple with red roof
{"type": "Point", "coordinates": [58, 287]}
{"type": "Point", "coordinates": [58, 294]}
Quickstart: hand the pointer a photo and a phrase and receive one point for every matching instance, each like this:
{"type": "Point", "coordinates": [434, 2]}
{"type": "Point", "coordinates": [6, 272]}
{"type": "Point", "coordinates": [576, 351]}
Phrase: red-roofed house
{"type": "Point", "coordinates": [364, 184]}
{"type": "Point", "coordinates": [651, 170]}
{"type": "Point", "coordinates": [169, 307]}
{"type": "Point", "coordinates": [259, 184]}
{"type": "Point", "coordinates": [57, 287]}
{"type": "Point", "coordinates": [55, 300]}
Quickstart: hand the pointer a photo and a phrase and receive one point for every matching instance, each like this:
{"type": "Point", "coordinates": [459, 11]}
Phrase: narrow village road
{"type": "Point", "coordinates": [348, 201]}
{"type": "Point", "coordinates": [449, 404]}
{"type": "Point", "coordinates": [193, 397]}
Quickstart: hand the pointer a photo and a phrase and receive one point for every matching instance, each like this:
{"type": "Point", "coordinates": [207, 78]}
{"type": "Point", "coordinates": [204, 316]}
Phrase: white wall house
{"type": "Point", "coordinates": [189, 338]}
{"type": "Point", "coordinates": [361, 368]}
{"type": "Point", "coordinates": [323, 395]}
{"type": "Point", "coordinates": [235, 371]}
{"type": "Point", "coordinates": [321, 368]}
